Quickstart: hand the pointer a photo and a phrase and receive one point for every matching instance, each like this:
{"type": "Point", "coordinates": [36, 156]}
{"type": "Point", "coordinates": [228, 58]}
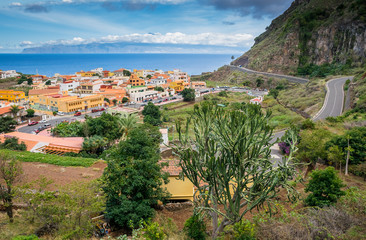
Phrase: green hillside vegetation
{"type": "Point", "coordinates": [289, 44]}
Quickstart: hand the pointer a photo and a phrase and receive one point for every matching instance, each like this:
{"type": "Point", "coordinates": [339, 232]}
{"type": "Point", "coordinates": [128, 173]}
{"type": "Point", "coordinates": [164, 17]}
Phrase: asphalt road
{"type": "Point", "coordinates": [54, 121]}
{"type": "Point", "coordinates": [289, 78]}
{"type": "Point", "coordinates": [334, 99]}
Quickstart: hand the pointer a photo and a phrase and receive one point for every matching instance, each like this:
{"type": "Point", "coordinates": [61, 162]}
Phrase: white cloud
{"type": "Point", "coordinates": [1, 47]}
{"type": "Point", "coordinates": [26, 43]}
{"type": "Point", "coordinates": [214, 39]}
{"type": "Point", "coordinates": [67, 1]}
{"type": "Point", "coordinates": [15, 4]}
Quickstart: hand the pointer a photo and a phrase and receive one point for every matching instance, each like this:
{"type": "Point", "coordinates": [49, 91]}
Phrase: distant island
{"type": "Point", "coordinates": [128, 47]}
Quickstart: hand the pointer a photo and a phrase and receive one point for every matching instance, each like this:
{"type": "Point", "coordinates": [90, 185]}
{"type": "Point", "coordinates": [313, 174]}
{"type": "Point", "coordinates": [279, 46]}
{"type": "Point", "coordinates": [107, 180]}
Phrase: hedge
{"type": "Point", "coordinates": [50, 159]}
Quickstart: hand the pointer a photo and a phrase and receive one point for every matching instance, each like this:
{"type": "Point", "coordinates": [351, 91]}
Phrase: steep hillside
{"type": "Point", "coordinates": [311, 36]}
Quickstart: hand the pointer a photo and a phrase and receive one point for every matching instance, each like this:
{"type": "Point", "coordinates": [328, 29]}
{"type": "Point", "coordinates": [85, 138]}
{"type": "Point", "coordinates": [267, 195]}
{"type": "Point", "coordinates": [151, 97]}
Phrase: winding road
{"type": "Point", "coordinates": [334, 99]}
{"type": "Point", "coordinates": [289, 78]}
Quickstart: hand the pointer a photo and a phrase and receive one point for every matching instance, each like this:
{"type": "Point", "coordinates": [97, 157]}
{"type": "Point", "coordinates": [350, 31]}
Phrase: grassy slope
{"type": "Point", "coordinates": [50, 159]}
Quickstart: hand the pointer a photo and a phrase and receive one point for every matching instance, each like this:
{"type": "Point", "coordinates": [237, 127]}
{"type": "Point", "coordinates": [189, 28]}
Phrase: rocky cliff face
{"type": "Point", "coordinates": [311, 32]}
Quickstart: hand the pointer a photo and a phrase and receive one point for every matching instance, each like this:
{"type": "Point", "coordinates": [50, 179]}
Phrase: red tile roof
{"type": "Point", "coordinates": [7, 109]}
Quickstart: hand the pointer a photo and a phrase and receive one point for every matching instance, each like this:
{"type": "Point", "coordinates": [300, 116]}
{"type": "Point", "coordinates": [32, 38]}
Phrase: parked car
{"type": "Point", "coordinates": [102, 109]}
{"type": "Point", "coordinates": [77, 114]}
{"type": "Point", "coordinates": [47, 125]}
{"type": "Point", "coordinates": [173, 98]}
{"type": "Point", "coordinates": [32, 123]}
{"type": "Point", "coordinates": [43, 121]}
{"type": "Point", "coordinates": [60, 113]}
{"type": "Point", "coordinates": [36, 131]}
{"type": "Point", "coordinates": [166, 99]}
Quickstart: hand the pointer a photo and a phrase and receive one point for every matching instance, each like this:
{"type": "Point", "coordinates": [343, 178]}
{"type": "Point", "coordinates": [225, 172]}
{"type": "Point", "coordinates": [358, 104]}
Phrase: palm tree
{"type": "Point", "coordinates": [14, 109]}
{"type": "Point", "coordinates": [126, 123]}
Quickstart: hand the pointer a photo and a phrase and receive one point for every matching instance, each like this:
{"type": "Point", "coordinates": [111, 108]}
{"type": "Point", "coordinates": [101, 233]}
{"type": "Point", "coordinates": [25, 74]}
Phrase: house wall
{"type": "Point", "coordinates": [179, 189]}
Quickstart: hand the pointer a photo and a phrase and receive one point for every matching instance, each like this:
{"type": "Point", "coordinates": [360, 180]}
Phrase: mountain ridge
{"type": "Point", "coordinates": [311, 33]}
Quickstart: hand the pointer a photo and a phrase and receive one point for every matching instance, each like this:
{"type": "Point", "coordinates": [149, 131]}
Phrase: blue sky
{"type": "Point", "coordinates": [231, 23]}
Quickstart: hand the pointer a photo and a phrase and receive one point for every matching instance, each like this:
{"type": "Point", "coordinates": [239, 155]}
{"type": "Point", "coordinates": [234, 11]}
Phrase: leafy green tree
{"type": "Point", "coordinates": [10, 173]}
{"type": "Point", "coordinates": [107, 100]}
{"type": "Point", "coordinates": [30, 112]}
{"type": "Point", "coordinates": [149, 76]}
{"type": "Point", "coordinates": [274, 93]}
{"type": "Point", "coordinates": [114, 102]}
{"type": "Point", "coordinates": [152, 114]}
{"type": "Point", "coordinates": [228, 161]}
{"type": "Point", "coordinates": [124, 99]}
{"type": "Point", "coordinates": [133, 179]}
{"type": "Point", "coordinates": [357, 141]}
{"type": "Point", "coordinates": [188, 94]}
{"type": "Point", "coordinates": [14, 109]}
{"type": "Point", "coordinates": [159, 89]}
{"type": "Point", "coordinates": [259, 82]}
{"type": "Point", "coordinates": [325, 187]}
{"type": "Point", "coordinates": [126, 73]}
{"type": "Point", "coordinates": [105, 126]}
{"type": "Point", "coordinates": [13, 144]}
{"type": "Point", "coordinates": [7, 124]}
{"type": "Point", "coordinates": [65, 129]}
{"type": "Point", "coordinates": [48, 82]}
{"type": "Point", "coordinates": [335, 156]}
{"type": "Point", "coordinates": [312, 147]}
{"type": "Point", "coordinates": [54, 113]}
{"type": "Point", "coordinates": [30, 81]}
{"type": "Point", "coordinates": [95, 144]}
{"type": "Point", "coordinates": [247, 83]}
{"type": "Point", "coordinates": [223, 94]}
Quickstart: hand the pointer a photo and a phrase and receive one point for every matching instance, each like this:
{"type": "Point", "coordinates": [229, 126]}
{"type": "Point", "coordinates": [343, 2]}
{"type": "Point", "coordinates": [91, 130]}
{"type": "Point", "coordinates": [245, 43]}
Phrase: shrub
{"type": "Point", "coordinates": [153, 231]}
{"type": "Point", "coordinates": [195, 227]}
{"type": "Point", "coordinates": [308, 124]}
{"type": "Point", "coordinates": [244, 230]}
{"type": "Point", "coordinates": [223, 94]}
{"type": "Point", "coordinates": [325, 187]}
{"type": "Point", "coordinates": [13, 144]}
{"type": "Point", "coordinates": [359, 170]}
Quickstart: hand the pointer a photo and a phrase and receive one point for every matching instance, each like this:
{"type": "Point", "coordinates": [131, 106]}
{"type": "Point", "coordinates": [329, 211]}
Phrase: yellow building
{"type": "Point", "coordinates": [178, 85]}
{"type": "Point", "coordinates": [139, 73]}
{"type": "Point", "coordinates": [179, 189]}
{"type": "Point", "coordinates": [12, 96]}
{"type": "Point", "coordinates": [66, 104]}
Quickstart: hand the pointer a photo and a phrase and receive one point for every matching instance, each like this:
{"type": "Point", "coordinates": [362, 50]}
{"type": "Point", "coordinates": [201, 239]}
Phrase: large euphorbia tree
{"type": "Point", "coordinates": [228, 160]}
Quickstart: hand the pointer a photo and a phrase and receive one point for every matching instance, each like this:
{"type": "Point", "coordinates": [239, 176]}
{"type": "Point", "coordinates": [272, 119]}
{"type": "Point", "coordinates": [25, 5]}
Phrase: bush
{"type": "Point", "coordinates": [325, 187]}
{"type": "Point", "coordinates": [244, 230]}
{"type": "Point", "coordinates": [223, 94]}
{"type": "Point", "coordinates": [153, 231]}
{"type": "Point", "coordinates": [13, 144]}
{"type": "Point", "coordinates": [30, 112]}
{"type": "Point", "coordinates": [359, 170]}
{"type": "Point", "coordinates": [308, 124]}
{"type": "Point", "coordinates": [195, 227]}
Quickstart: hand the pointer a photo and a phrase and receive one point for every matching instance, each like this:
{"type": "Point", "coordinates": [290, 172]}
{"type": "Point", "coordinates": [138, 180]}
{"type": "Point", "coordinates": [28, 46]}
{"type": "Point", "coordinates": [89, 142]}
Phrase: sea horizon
{"type": "Point", "coordinates": [62, 63]}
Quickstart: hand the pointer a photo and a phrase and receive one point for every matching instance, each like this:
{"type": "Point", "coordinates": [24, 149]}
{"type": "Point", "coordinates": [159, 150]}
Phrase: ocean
{"type": "Point", "coordinates": [49, 64]}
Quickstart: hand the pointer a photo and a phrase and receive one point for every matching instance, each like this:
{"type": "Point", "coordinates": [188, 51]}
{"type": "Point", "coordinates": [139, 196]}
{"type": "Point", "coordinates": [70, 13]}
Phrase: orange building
{"type": "Point", "coordinates": [135, 81]}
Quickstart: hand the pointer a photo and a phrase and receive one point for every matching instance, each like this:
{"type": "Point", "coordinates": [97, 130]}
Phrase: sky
{"type": "Point", "coordinates": [221, 23]}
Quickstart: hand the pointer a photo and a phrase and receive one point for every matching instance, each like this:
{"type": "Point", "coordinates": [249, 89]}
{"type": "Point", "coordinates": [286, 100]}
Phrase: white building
{"type": "Point", "coordinates": [8, 74]}
{"type": "Point", "coordinates": [69, 86]}
{"type": "Point", "coordinates": [179, 75]}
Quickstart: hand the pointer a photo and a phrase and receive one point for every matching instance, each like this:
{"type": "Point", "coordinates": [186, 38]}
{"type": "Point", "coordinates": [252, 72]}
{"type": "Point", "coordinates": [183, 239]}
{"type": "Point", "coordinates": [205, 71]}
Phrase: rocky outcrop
{"type": "Point", "coordinates": [311, 32]}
